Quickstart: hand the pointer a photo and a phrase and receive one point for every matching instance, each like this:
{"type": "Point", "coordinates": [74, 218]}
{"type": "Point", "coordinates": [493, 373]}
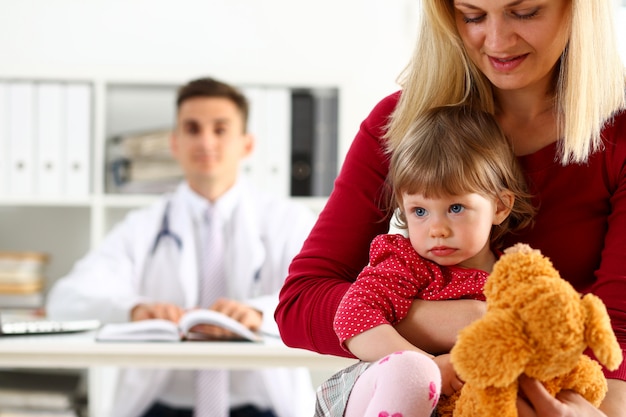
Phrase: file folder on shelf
{"type": "Point", "coordinates": [269, 122]}
{"type": "Point", "coordinates": [314, 140]}
{"type": "Point", "coordinates": [21, 138]}
{"type": "Point", "coordinates": [253, 167]}
{"type": "Point", "coordinates": [4, 139]}
{"type": "Point", "coordinates": [278, 140]}
{"type": "Point", "coordinates": [77, 147]}
{"type": "Point", "coordinates": [49, 139]}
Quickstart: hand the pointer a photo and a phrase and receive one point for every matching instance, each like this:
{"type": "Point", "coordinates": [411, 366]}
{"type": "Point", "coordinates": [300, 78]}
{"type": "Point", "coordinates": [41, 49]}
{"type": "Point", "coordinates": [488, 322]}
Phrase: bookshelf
{"type": "Point", "coordinates": [66, 223]}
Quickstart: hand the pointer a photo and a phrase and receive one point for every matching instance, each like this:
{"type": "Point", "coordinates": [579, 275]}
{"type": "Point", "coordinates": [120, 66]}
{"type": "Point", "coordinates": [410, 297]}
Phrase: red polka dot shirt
{"type": "Point", "coordinates": [394, 277]}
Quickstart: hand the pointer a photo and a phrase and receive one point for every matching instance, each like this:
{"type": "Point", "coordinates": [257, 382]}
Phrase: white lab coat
{"type": "Point", "coordinates": [266, 234]}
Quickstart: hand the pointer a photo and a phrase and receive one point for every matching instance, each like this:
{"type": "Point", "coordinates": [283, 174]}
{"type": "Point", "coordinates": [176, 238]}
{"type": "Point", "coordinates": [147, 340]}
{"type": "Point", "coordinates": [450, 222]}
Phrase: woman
{"type": "Point", "coordinates": [550, 73]}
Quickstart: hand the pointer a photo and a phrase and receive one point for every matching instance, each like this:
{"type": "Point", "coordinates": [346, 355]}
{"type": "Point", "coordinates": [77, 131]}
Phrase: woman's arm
{"type": "Point", "coordinates": [614, 404]}
{"type": "Point", "coordinates": [434, 325]}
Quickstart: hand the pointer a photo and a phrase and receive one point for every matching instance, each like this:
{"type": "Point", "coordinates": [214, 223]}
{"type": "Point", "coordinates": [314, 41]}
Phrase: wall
{"type": "Point", "coordinates": [358, 45]}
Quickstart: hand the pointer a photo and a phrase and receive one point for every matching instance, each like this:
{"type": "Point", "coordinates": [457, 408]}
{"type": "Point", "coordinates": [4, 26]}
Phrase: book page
{"type": "Point", "coordinates": [153, 330]}
{"type": "Point", "coordinates": [214, 318]}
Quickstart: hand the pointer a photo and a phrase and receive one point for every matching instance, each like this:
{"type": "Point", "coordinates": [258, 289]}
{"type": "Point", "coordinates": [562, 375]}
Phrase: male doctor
{"type": "Point", "coordinates": [150, 265]}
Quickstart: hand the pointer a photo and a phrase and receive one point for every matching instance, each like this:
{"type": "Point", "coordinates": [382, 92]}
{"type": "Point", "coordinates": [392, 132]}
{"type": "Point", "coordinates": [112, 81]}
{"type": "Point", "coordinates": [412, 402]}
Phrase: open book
{"type": "Point", "coordinates": [156, 330]}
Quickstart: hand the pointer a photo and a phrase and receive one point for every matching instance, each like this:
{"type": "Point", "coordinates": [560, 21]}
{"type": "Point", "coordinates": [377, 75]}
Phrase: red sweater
{"type": "Point", "coordinates": [580, 226]}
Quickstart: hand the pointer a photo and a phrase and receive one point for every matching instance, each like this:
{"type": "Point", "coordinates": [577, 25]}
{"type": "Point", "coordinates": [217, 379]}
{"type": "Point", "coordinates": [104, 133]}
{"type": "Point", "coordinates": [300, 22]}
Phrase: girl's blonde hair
{"type": "Point", "coordinates": [590, 86]}
{"type": "Point", "coordinates": [454, 150]}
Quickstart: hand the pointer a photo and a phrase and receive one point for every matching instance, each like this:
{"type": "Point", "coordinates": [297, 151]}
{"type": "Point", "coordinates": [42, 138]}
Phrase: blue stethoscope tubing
{"type": "Point", "coordinates": [165, 232]}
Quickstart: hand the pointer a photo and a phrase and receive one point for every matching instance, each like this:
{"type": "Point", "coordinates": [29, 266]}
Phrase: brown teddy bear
{"type": "Point", "coordinates": [536, 324]}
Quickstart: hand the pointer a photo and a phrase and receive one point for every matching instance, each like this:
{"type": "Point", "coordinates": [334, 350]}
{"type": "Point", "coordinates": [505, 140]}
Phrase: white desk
{"type": "Point", "coordinates": [80, 350]}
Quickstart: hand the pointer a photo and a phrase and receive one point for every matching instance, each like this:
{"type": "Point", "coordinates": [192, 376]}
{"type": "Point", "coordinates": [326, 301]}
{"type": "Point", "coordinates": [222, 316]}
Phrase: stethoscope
{"type": "Point", "coordinates": [165, 232]}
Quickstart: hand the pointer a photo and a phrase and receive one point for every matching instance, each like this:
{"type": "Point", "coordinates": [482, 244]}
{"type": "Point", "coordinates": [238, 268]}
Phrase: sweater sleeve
{"type": "Point", "coordinates": [336, 250]}
{"type": "Point", "coordinates": [610, 284]}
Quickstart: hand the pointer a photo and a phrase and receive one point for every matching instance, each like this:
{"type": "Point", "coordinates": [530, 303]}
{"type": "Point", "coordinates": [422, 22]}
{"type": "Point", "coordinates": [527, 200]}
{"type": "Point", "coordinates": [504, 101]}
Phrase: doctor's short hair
{"type": "Point", "coordinates": [455, 150]}
{"type": "Point", "coordinates": [210, 87]}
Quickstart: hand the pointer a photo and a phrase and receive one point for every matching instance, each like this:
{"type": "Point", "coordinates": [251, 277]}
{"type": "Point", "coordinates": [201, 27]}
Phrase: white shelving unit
{"type": "Point", "coordinates": [67, 226]}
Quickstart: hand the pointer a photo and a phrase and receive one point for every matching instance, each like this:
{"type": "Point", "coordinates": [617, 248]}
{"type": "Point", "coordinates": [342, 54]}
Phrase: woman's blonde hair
{"type": "Point", "coordinates": [454, 150]}
{"type": "Point", "coordinates": [589, 88]}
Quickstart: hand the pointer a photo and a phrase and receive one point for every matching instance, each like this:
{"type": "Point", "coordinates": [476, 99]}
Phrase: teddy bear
{"type": "Point", "coordinates": [536, 324]}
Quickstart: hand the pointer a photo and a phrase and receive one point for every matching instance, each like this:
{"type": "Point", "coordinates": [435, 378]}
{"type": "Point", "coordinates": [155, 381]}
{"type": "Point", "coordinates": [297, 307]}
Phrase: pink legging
{"type": "Point", "coordinates": [403, 384]}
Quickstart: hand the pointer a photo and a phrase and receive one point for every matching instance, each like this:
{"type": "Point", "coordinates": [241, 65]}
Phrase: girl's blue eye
{"type": "Point", "coordinates": [456, 208]}
{"type": "Point", "coordinates": [420, 211]}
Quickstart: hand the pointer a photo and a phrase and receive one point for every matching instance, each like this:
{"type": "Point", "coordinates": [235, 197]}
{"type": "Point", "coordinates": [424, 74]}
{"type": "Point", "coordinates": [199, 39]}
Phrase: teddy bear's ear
{"type": "Point", "coordinates": [599, 334]}
{"type": "Point", "coordinates": [492, 351]}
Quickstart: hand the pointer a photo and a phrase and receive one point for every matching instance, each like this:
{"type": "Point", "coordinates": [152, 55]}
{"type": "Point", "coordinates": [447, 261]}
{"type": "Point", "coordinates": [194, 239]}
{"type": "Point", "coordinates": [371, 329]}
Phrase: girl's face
{"type": "Point", "coordinates": [454, 230]}
{"type": "Point", "coordinates": [515, 43]}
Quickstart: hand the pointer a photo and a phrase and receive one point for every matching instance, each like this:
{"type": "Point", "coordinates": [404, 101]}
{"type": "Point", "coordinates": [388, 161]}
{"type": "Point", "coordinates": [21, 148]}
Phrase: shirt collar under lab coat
{"type": "Point", "coordinates": [223, 206]}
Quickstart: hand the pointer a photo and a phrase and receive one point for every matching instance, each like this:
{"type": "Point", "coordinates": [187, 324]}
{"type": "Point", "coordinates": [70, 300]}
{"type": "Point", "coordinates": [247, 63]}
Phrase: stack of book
{"type": "Point", "coordinates": [142, 163]}
{"type": "Point", "coordinates": [25, 393]}
{"type": "Point", "coordinates": [22, 279]}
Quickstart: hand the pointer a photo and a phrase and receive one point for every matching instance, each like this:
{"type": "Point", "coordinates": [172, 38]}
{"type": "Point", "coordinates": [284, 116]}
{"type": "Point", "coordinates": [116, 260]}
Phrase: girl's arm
{"type": "Point", "coordinates": [378, 342]}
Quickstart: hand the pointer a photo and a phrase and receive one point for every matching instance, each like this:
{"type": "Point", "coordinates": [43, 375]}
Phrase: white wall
{"type": "Point", "coordinates": [357, 45]}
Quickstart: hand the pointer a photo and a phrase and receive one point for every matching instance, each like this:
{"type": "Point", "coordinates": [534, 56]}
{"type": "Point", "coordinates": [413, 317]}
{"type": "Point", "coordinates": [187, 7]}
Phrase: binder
{"type": "Point", "coordinates": [278, 140]}
{"type": "Point", "coordinates": [314, 138]}
{"type": "Point", "coordinates": [21, 125]}
{"type": "Point", "coordinates": [4, 139]}
{"type": "Point", "coordinates": [252, 168]}
{"type": "Point", "coordinates": [49, 139]}
{"type": "Point", "coordinates": [326, 141]}
{"type": "Point", "coordinates": [270, 123]}
{"type": "Point", "coordinates": [77, 146]}
{"type": "Point", "coordinates": [303, 125]}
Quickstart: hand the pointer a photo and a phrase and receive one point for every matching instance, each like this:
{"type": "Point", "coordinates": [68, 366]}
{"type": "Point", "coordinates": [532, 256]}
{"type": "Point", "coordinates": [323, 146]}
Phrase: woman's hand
{"type": "Point", "coordinates": [433, 325]}
{"type": "Point", "coordinates": [539, 403]}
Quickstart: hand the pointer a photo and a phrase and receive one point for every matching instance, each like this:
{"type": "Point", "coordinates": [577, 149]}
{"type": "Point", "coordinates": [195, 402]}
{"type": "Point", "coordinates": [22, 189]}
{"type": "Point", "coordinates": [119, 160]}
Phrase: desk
{"type": "Point", "coordinates": [80, 350]}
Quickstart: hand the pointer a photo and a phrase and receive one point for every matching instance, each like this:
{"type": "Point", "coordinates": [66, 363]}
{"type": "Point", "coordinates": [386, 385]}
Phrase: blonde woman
{"type": "Point", "coordinates": [550, 73]}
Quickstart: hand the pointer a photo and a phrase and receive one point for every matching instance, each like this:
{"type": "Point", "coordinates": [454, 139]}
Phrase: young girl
{"type": "Point", "coordinates": [457, 188]}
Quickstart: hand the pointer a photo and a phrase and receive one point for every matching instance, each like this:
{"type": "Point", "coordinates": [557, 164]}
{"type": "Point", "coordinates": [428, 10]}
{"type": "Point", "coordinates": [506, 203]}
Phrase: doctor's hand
{"type": "Point", "coordinates": [539, 403]}
{"type": "Point", "coordinates": [165, 311]}
{"type": "Point", "coordinates": [244, 314]}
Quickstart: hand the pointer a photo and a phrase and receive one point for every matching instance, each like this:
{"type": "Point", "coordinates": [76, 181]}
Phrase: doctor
{"type": "Point", "coordinates": [149, 265]}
